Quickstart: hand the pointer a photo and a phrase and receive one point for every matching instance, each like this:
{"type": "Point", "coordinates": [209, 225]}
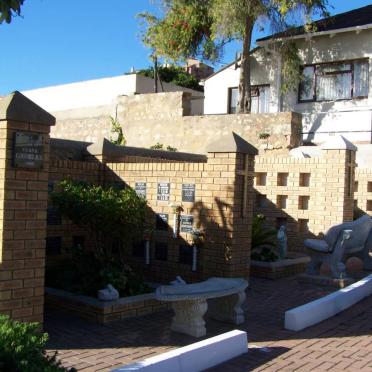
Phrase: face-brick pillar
{"type": "Point", "coordinates": [334, 184]}
{"type": "Point", "coordinates": [24, 163]}
{"type": "Point", "coordinates": [227, 193]}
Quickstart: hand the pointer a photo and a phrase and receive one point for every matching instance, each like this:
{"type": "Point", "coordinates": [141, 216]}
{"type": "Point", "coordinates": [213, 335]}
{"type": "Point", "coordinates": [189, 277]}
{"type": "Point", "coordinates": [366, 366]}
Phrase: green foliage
{"type": "Point", "coordinates": [84, 272]}
{"type": "Point", "coordinates": [160, 146]}
{"type": "Point", "coordinates": [112, 216]}
{"type": "Point", "coordinates": [117, 136]}
{"type": "Point", "coordinates": [175, 75]}
{"type": "Point", "coordinates": [262, 235]}
{"type": "Point", "coordinates": [9, 9]}
{"type": "Point", "coordinates": [265, 255]}
{"type": "Point", "coordinates": [22, 348]}
{"type": "Point", "coordinates": [263, 135]}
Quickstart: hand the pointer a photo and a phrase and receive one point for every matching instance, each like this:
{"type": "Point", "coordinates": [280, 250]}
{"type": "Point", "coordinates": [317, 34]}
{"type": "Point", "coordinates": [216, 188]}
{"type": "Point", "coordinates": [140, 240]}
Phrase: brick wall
{"type": "Point", "coordinates": [307, 195]}
{"type": "Point", "coordinates": [363, 190]}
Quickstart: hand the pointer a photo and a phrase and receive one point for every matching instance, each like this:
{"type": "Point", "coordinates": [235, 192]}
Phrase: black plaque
{"type": "Point", "coordinates": [163, 191]}
{"type": "Point", "coordinates": [162, 222]}
{"type": "Point", "coordinates": [53, 216]}
{"type": "Point", "coordinates": [139, 249]}
{"type": "Point", "coordinates": [28, 150]}
{"type": "Point", "coordinates": [140, 188]}
{"type": "Point", "coordinates": [53, 245]}
{"type": "Point", "coordinates": [188, 192]}
{"type": "Point", "coordinates": [161, 251]}
{"type": "Point", "coordinates": [186, 223]}
{"type": "Point", "coordinates": [185, 254]}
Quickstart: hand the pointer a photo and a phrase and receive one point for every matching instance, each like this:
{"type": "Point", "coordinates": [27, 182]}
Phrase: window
{"type": "Point", "coordinates": [334, 81]}
{"type": "Point", "coordinates": [260, 98]}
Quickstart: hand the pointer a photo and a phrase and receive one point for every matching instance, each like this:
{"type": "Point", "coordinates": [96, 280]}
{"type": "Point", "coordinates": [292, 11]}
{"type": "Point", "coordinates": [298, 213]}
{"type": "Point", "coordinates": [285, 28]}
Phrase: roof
{"type": "Point", "coordinates": [353, 18]}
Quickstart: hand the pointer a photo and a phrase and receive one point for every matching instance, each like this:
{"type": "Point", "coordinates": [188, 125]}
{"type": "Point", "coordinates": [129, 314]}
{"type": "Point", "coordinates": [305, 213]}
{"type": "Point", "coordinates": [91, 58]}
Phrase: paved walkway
{"type": "Point", "coordinates": [342, 343]}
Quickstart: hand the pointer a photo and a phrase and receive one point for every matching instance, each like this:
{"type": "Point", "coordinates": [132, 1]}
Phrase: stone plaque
{"type": "Point", "coordinates": [53, 216]}
{"type": "Point", "coordinates": [163, 191]}
{"type": "Point", "coordinates": [188, 192]}
{"type": "Point", "coordinates": [186, 222]}
{"type": "Point", "coordinates": [162, 222]}
{"type": "Point", "coordinates": [28, 150]}
{"type": "Point", "coordinates": [140, 188]}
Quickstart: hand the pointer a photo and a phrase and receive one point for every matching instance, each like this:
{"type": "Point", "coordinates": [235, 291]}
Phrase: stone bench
{"type": "Point", "coordinates": [340, 242]}
{"type": "Point", "coordinates": [189, 302]}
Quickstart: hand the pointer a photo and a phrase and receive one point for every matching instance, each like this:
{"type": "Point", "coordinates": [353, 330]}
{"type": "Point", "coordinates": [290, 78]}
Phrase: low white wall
{"type": "Point", "coordinates": [316, 311]}
{"type": "Point", "coordinates": [195, 357]}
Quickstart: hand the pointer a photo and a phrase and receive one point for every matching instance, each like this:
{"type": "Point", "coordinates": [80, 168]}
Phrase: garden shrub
{"type": "Point", "coordinates": [115, 218]}
{"type": "Point", "coordinates": [22, 348]}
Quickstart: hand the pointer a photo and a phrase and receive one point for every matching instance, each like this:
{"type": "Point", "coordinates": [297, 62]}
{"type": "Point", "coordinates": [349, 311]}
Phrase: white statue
{"type": "Point", "coordinates": [178, 281]}
{"type": "Point", "coordinates": [108, 294]}
{"type": "Point", "coordinates": [282, 242]}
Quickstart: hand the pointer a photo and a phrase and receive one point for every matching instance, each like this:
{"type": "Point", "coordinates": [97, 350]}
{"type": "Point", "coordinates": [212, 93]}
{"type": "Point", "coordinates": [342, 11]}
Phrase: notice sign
{"type": "Point", "coordinates": [28, 150]}
{"type": "Point", "coordinates": [186, 222]}
{"type": "Point", "coordinates": [163, 191]}
{"type": "Point", "coordinates": [188, 192]}
{"type": "Point", "coordinates": [140, 189]}
{"type": "Point", "coordinates": [162, 222]}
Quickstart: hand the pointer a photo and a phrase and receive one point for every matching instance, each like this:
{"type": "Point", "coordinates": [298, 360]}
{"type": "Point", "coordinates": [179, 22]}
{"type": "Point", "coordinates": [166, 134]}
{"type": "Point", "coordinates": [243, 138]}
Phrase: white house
{"type": "Point", "coordinates": [335, 94]}
{"type": "Point", "coordinates": [103, 93]}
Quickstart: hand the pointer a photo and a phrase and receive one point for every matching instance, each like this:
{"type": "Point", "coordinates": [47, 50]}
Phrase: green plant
{"type": "Point", "coordinates": [22, 348]}
{"type": "Point", "coordinates": [115, 218]}
{"type": "Point", "coordinates": [262, 235]}
{"type": "Point", "coordinates": [263, 135]}
{"type": "Point", "coordinates": [117, 136]}
{"type": "Point", "coordinates": [157, 146]}
{"type": "Point", "coordinates": [265, 255]}
{"type": "Point", "coordinates": [170, 148]}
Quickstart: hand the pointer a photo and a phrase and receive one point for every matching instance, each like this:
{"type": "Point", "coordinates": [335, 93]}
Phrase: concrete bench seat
{"type": "Point", "coordinates": [189, 302]}
{"type": "Point", "coordinates": [340, 242]}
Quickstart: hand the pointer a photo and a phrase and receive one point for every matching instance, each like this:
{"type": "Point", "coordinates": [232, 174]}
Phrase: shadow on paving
{"type": "Point", "coordinates": [267, 301]}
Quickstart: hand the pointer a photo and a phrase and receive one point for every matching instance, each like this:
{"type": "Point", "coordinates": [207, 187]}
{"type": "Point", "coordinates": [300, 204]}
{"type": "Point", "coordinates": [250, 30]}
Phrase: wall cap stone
{"type": "Point", "coordinates": [232, 143]}
{"type": "Point", "coordinates": [338, 142]}
{"type": "Point", "coordinates": [109, 150]}
{"type": "Point", "coordinates": [18, 107]}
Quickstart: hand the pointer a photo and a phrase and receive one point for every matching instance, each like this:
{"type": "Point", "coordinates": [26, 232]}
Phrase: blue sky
{"type": "Point", "coordinates": [62, 41]}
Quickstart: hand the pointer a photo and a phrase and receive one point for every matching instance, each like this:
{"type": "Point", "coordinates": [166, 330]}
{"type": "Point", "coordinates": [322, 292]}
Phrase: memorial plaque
{"type": "Point", "coordinates": [163, 191]}
{"type": "Point", "coordinates": [140, 188]}
{"type": "Point", "coordinates": [28, 150]}
{"type": "Point", "coordinates": [186, 223]}
{"type": "Point", "coordinates": [53, 216]}
{"type": "Point", "coordinates": [162, 222]}
{"type": "Point", "coordinates": [53, 245]}
{"type": "Point", "coordinates": [161, 251]}
{"type": "Point", "coordinates": [185, 254]}
{"type": "Point", "coordinates": [188, 192]}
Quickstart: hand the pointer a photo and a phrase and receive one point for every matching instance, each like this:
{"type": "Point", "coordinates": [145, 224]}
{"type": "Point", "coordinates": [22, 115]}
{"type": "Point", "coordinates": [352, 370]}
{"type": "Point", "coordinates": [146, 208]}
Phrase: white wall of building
{"type": "Point", "coordinates": [352, 118]}
{"type": "Point", "coordinates": [102, 92]}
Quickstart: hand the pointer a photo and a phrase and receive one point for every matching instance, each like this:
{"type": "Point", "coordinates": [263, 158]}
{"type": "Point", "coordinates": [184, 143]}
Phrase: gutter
{"type": "Point", "coordinates": [309, 35]}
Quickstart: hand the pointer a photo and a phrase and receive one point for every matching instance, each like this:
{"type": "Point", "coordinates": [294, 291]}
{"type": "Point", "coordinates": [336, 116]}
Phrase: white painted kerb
{"type": "Point", "coordinates": [316, 311]}
{"type": "Point", "coordinates": [195, 357]}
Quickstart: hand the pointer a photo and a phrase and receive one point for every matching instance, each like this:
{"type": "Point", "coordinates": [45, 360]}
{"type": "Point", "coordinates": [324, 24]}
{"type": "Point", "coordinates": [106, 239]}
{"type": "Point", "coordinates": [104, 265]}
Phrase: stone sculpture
{"type": "Point", "coordinates": [108, 294]}
{"type": "Point", "coordinates": [340, 242]}
{"type": "Point", "coordinates": [282, 242]}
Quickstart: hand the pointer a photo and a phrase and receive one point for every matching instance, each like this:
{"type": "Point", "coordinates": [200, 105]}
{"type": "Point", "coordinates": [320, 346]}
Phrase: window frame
{"type": "Point", "coordinates": [315, 65]}
{"type": "Point", "coordinates": [258, 86]}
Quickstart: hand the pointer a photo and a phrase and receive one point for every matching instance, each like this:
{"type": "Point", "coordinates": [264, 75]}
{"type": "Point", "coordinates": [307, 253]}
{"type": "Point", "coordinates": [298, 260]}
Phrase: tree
{"type": "Point", "coordinates": [201, 28]}
{"type": "Point", "coordinates": [9, 8]}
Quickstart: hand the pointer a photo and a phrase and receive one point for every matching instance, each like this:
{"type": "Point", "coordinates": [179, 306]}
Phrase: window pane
{"type": "Point", "coordinates": [307, 84]}
{"type": "Point", "coordinates": [361, 79]}
{"type": "Point", "coordinates": [264, 99]}
{"type": "Point", "coordinates": [254, 105]}
{"type": "Point", "coordinates": [335, 67]}
{"type": "Point", "coordinates": [234, 97]}
{"type": "Point", "coordinates": [332, 87]}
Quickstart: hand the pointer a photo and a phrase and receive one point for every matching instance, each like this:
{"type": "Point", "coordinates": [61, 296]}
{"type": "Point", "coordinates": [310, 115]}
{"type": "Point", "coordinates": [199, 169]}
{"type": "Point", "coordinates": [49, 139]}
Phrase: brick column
{"type": "Point", "coordinates": [227, 194]}
{"type": "Point", "coordinates": [24, 193]}
{"type": "Point", "coordinates": [335, 184]}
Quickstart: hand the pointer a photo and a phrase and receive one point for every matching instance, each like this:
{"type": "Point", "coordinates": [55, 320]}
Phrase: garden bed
{"type": "Point", "coordinates": [103, 312]}
{"type": "Point", "coordinates": [295, 264]}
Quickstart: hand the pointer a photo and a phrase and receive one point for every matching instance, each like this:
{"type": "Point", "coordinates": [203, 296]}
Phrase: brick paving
{"type": "Point", "coordinates": [342, 343]}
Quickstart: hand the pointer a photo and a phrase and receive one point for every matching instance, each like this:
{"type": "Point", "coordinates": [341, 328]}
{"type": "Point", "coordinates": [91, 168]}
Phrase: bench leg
{"type": "Point", "coordinates": [188, 317]}
{"type": "Point", "coordinates": [228, 308]}
{"type": "Point", "coordinates": [313, 267]}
